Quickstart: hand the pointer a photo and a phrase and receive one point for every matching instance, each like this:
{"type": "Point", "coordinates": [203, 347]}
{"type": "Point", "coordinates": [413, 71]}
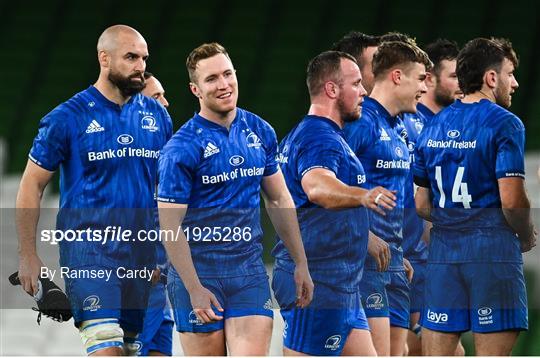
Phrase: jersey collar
{"type": "Point", "coordinates": [100, 98]}
{"type": "Point", "coordinates": [328, 121]}
{"type": "Point", "coordinates": [214, 126]}
{"type": "Point", "coordinates": [378, 108]}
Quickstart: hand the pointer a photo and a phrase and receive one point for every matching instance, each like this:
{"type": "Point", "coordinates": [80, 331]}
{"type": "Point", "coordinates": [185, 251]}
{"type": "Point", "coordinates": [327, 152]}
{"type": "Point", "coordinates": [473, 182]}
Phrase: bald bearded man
{"type": "Point", "coordinates": [106, 142]}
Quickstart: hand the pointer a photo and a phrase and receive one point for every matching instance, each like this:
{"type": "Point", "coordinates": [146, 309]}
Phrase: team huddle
{"type": "Point", "coordinates": [398, 202]}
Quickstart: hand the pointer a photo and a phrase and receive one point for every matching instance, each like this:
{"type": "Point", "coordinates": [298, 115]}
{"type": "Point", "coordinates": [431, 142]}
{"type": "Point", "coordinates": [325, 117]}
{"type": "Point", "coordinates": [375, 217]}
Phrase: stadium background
{"type": "Point", "coordinates": [48, 54]}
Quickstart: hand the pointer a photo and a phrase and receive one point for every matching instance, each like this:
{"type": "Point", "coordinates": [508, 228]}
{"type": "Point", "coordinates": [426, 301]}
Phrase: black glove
{"type": "Point", "coordinates": [53, 302]}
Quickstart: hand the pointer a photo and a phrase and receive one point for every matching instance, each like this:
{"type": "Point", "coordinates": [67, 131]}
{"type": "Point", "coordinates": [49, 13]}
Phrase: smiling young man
{"type": "Point", "coordinates": [212, 173]}
{"type": "Point", "coordinates": [470, 171]}
{"type": "Point", "coordinates": [100, 187]}
{"type": "Point", "coordinates": [378, 141]}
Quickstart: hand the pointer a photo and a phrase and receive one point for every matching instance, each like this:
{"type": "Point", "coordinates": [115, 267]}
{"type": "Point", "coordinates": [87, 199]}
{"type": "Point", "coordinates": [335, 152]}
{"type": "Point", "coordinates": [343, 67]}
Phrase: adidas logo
{"type": "Point", "coordinates": [94, 127]}
{"type": "Point", "coordinates": [210, 149]}
{"type": "Point", "coordinates": [384, 135]}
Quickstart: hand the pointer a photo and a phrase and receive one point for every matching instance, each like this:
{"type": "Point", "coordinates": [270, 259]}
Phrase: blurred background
{"type": "Point", "coordinates": [48, 55]}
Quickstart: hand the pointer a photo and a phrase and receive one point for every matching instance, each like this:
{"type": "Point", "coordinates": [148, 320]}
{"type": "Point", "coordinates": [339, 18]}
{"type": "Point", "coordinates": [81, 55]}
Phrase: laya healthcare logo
{"type": "Point", "coordinates": [375, 301]}
{"type": "Point", "coordinates": [333, 342]}
{"type": "Point", "coordinates": [94, 127]}
{"type": "Point", "coordinates": [91, 303]}
{"type": "Point", "coordinates": [148, 122]}
{"type": "Point", "coordinates": [435, 317]}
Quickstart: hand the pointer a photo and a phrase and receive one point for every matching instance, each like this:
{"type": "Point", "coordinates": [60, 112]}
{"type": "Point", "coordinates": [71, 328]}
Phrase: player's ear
{"type": "Point", "coordinates": [490, 78]}
{"type": "Point", "coordinates": [331, 89]}
{"type": "Point", "coordinates": [195, 90]}
{"type": "Point", "coordinates": [395, 76]}
{"type": "Point", "coordinates": [431, 80]}
{"type": "Point", "coordinates": [104, 59]}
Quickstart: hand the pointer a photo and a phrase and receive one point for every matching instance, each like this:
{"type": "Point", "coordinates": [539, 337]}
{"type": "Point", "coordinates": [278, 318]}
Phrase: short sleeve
{"type": "Point", "coordinates": [51, 145]}
{"type": "Point", "coordinates": [510, 146]}
{"type": "Point", "coordinates": [270, 146]}
{"type": "Point", "coordinates": [176, 170]}
{"type": "Point", "coordinates": [326, 155]}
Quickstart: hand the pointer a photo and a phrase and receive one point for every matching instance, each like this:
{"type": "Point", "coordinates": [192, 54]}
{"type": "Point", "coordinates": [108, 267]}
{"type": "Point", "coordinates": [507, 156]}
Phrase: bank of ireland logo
{"type": "Point", "coordinates": [193, 319]}
{"type": "Point", "coordinates": [375, 301]}
{"type": "Point", "coordinates": [91, 303]}
{"type": "Point", "coordinates": [124, 139]}
{"type": "Point", "coordinates": [453, 133]}
{"type": "Point", "coordinates": [399, 152]}
{"type": "Point", "coordinates": [333, 342]}
{"type": "Point", "coordinates": [149, 123]}
{"type": "Point", "coordinates": [253, 141]}
{"type": "Point", "coordinates": [236, 160]}
{"type": "Point", "coordinates": [484, 311]}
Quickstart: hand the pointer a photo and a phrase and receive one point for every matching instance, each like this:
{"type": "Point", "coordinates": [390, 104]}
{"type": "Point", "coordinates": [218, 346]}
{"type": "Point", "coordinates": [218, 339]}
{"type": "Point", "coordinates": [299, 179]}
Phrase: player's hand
{"type": "Point", "coordinates": [202, 301]}
{"type": "Point", "coordinates": [378, 199]}
{"type": "Point", "coordinates": [29, 271]}
{"type": "Point", "coordinates": [156, 275]}
{"type": "Point", "coordinates": [304, 285]}
{"type": "Point", "coordinates": [408, 269]}
{"type": "Point", "coordinates": [528, 244]}
{"type": "Point", "coordinates": [380, 251]}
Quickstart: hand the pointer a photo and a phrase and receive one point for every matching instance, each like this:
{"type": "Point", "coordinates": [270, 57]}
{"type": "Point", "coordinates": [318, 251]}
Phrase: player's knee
{"type": "Point", "coordinates": [102, 333]}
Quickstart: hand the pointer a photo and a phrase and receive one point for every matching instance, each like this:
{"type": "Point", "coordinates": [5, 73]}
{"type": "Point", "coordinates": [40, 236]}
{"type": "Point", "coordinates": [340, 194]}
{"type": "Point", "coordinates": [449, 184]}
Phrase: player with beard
{"type": "Point", "coordinates": [212, 174]}
{"type": "Point", "coordinates": [442, 91]}
{"type": "Point", "coordinates": [105, 140]}
{"type": "Point", "coordinates": [470, 171]}
{"type": "Point", "coordinates": [327, 183]}
{"type": "Point", "coordinates": [400, 70]}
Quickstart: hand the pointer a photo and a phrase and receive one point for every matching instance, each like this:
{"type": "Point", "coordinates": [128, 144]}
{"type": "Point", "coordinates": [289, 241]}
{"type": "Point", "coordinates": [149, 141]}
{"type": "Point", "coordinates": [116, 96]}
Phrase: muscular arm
{"type": "Point", "coordinates": [516, 208]}
{"type": "Point", "coordinates": [324, 189]}
{"type": "Point", "coordinates": [170, 220]}
{"type": "Point", "coordinates": [282, 212]}
{"type": "Point", "coordinates": [422, 201]}
{"type": "Point", "coordinates": [33, 183]}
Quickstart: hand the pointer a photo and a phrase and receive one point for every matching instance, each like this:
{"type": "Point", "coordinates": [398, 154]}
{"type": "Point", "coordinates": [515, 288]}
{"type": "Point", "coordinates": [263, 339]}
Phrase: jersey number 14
{"type": "Point", "coordinates": [460, 191]}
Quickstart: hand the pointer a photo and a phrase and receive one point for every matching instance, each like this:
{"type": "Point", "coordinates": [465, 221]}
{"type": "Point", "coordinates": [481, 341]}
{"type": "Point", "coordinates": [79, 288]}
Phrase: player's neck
{"type": "Point", "coordinates": [326, 111]}
{"type": "Point", "coordinates": [222, 119]}
{"type": "Point", "coordinates": [111, 92]}
{"type": "Point", "coordinates": [428, 101]}
{"type": "Point", "coordinates": [479, 95]}
{"type": "Point", "coordinates": [386, 99]}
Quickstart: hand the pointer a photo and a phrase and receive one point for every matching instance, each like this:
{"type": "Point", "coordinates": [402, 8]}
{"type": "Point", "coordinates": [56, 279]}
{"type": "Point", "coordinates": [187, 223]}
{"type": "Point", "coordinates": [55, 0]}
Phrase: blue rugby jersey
{"type": "Point", "coordinates": [414, 248]}
{"type": "Point", "coordinates": [461, 154]}
{"type": "Point", "coordinates": [218, 173]}
{"type": "Point", "coordinates": [335, 241]}
{"type": "Point", "coordinates": [107, 155]}
{"type": "Point", "coordinates": [378, 140]}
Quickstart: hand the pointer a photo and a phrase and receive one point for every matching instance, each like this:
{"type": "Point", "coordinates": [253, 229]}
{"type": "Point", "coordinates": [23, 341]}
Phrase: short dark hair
{"type": "Point", "coordinates": [324, 67]}
{"type": "Point", "coordinates": [202, 52]}
{"type": "Point", "coordinates": [147, 75]}
{"type": "Point", "coordinates": [479, 56]}
{"type": "Point", "coordinates": [394, 53]}
{"type": "Point", "coordinates": [354, 43]}
{"type": "Point", "coordinates": [439, 50]}
{"type": "Point", "coordinates": [395, 36]}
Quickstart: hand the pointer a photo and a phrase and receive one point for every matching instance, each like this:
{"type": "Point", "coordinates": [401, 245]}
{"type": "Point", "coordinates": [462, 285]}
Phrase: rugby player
{"type": "Point", "coordinates": [442, 91]}
{"type": "Point", "coordinates": [156, 337]}
{"type": "Point", "coordinates": [211, 174]}
{"type": "Point", "coordinates": [470, 171]}
{"type": "Point", "coordinates": [361, 47]}
{"type": "Point", "coordinates": [105, 140]}
{"type": "Point", "coordinates": [377, 139]}
{"type": "Point", "coordinates": [327, 183]}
